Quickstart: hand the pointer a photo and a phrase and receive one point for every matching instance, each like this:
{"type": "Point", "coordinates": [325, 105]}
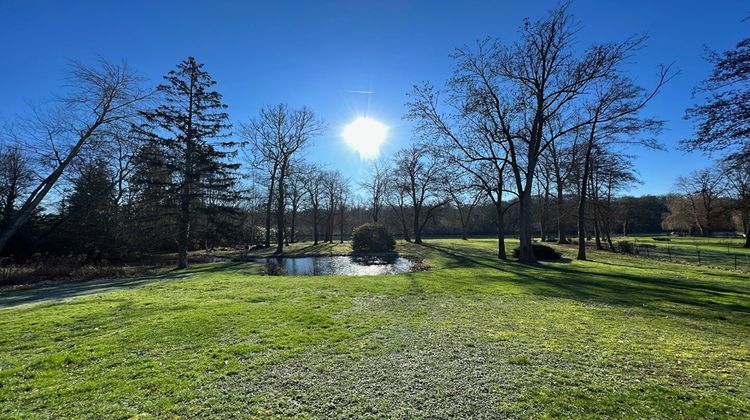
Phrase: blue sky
{"type": "Point", "coordinates": [312, 52]}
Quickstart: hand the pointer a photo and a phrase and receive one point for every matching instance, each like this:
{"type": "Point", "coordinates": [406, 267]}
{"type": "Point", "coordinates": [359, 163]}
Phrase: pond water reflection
{"type": "Point", "coordinates": [337, 265]}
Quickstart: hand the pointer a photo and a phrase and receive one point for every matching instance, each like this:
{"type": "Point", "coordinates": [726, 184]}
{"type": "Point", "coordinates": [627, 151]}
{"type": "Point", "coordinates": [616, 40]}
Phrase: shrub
{"type": "Point", "coordinates": [372, 237]}
{"type": "Point", "coordinates": [541, 252]}
{"type": "Point", "coordinates": [625, 247]}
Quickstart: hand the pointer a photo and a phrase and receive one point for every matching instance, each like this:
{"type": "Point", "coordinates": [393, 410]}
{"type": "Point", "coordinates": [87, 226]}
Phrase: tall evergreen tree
{"type": "Point", "coordinates": [153, 208]}
{"type": "Point", "coordinates": [191, 126]}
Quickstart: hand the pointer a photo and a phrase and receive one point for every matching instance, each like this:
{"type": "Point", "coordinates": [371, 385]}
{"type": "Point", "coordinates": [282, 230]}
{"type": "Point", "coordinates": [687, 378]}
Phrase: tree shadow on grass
{"type": "Point", "coordinates": [706, 299]}
{"type": "Point", "coordinates": [466, 256]}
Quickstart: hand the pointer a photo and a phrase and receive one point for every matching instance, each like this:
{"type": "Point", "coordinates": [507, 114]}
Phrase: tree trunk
{"type": "Point", "coordinates": [341, 225]}
{"type": "Point", "coordinates": [561, 238]}
{"type": "Point", "coordinates": [184, 220]}
{"type": "Point", "coordinates": [293, 218]}
{"type": "Point", "coordinates": [526, 248]}
{"type": "Point", "coordinates": [582, 205]}
{"type": "Point", "coordinates": [375, 212]}
{"type": "Point", "coordinates": [404, 226]}
{"type": "Point", "coordinates": [315, 224]}
{"type": "Point", "coordinates": [747, 238]}
{"type": "Point", "coordinates": [417, 227]}
{"type": "Point", "coordinates": [597, 230]}
{"type": "Point", "coordinates": [543, 226]}
{"type": "Point", "coordinates": [329, 225]}
{"type": "Point", "coordinates": [500, 230]}
{"type": "Point", "coordinates": [280, 211]}
{"type": "Point", "coordinates": [608, 237]}
{"type": "Point", "coordinates": [269, 203]}
{"type": "Point", "coordinates": [184, 234]}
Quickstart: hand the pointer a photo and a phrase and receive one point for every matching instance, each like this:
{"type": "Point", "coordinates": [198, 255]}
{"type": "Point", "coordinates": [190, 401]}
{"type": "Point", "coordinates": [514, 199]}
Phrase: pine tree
{"type": "Point", "coordinates": [152, 209]}
{"type": "Point", "coordinates": [92, 213]}
{"type": "Point", "coordinates": [191, 126]}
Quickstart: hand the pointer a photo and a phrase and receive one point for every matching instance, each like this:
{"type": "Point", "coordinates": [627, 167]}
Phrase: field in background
{"type": "Point", "coordinates": [725, 253]}
{"type": "Point", "coordinates": [616, 336]}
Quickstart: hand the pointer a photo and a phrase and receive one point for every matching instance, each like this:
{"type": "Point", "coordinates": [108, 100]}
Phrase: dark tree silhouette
{"type": "Point", "coordinates": [100, 99]}
{"type": "Point", "coordinates": [15, 178]}
{"type": "Point", "coordinates": [189, 126]}
{"type": "Point", "coordinates": [723, 121]}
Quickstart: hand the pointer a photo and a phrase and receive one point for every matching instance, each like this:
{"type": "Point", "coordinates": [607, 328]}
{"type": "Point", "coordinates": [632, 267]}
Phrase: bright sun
{"type": "Point", "coordinates": [365, 135]}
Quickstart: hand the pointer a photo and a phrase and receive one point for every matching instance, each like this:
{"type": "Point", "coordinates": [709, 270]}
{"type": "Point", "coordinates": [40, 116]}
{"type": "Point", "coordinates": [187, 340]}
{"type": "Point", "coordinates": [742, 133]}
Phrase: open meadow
{"type": "Point", "coordinates": [472, 336]}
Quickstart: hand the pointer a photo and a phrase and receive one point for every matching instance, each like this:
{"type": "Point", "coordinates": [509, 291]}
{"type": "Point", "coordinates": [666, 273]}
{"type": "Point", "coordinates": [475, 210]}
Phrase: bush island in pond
{"type": "Point", "coordinates": [372, 237]}
{"type": "Point", "coordinates": [542, 253]}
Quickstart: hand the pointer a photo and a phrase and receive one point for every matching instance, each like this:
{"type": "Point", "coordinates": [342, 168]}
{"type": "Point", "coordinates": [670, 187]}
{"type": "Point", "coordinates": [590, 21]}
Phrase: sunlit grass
{"type": "Point", "coordinates": [615, 336]}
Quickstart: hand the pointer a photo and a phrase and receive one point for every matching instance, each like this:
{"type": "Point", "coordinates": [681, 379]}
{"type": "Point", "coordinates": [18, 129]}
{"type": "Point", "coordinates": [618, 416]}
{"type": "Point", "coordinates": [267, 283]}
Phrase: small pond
{"type": "Point", "coordinates": [337, 265]}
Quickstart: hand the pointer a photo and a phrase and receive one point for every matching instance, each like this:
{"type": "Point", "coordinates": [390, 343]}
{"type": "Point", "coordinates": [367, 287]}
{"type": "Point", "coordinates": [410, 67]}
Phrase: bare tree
{"type": "Point", "coordinates": [296, 192]}
{"type": "Point", "coordinates": [469, 137]}
{"type": "Point", "coordinates": [612, 171]}
{"type": "Point", "coordinates": [680, 215]}
{"type": "Point", "coordinates": [313, 180]}
{"type": "Point", "coordinates": [375, 188]}
{"type": "Point", "coordinates": [418, 169]}
{"type": "Point", "coordinates": [100, 99]}
{"type": "Point", "coordinates": [465, 195]}
{"type": "Point", "coordinates": [611, 116]}
{"type": "Point", "coordinates": [542, 76]}
{"type": "Point", "coordinates": [543, 187]}
{"type": "Point", "coordinates": [333, 183]}
{"type": "Point", "coordinates": [277, 135]}
{"type": "Point", "coordinates": [268, 169]}
{"type": "Point", "coordinates": [517, 90]}
{"type": "Point", "coordinates": [397, 197]}
{"type": "Point", "coordinates": [16, 176]}
{"type": "Point", "coordinates": [737, 173]}
{"type": "Point", "coordinates": [343, 204]}
{"type": "Point", "coordinates": [559, 162]}
{"type": "Point", "coordinates": [723, 120]}
{"type": "Point", "coordinates": [702, 189]}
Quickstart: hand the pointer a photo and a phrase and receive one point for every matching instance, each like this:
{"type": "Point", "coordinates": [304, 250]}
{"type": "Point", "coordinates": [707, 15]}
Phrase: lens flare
{"type": "Point", "coordinates": [365, 136]}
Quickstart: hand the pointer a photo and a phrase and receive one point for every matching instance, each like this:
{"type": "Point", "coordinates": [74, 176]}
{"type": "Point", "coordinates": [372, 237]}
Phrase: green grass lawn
{"type": "Point", "coordinates": [616, 336]}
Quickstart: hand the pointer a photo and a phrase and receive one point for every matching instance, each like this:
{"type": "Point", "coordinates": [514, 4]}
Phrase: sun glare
{"type": "Point", "coordinates": [365, 136]}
